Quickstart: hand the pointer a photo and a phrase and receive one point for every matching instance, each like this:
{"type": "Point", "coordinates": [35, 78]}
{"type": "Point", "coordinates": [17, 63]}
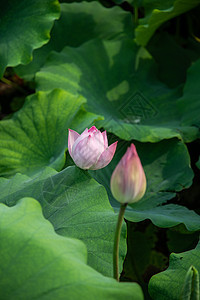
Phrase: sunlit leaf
{"type": "Point", "coordinates": [76, 205]}
{"type": "Point", "coordinates": [36, 136]}
{"type": "Point", "coordinates": [36, 263]}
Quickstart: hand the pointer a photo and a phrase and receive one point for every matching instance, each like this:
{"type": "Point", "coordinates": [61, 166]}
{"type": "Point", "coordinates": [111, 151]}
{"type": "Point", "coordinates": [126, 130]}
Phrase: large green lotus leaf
{"type": "Point", "coordinates": [135, 105]}
{"type": "Point", "coordinates": [191, 94]}
{"type": "Point", "coordinates": [25, 26]}
{"type": "Point", "coordinates": [167, 216]}
{"type": "Point", "coordinates": [36, 263]}
{"type": "Point", "coordinates": [80, 22]}
{"type": "Point", "coordinates": [148, 5]}
{"type": "Point", "coordinates": [76, 205]}
{"type": "Point", "coordinates": [167, 169]}
{"type": "Point", "coordinates": [169, 284]}
{"type": "Point", "coordinates": [36, 136]}
{"type": "Point", "coordinates": [154, 20]}
{"type": "Point", "coordinates": [21, 181]}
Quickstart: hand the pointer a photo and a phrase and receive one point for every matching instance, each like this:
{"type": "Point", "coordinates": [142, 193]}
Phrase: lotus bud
{"type": "Point", "coordinates": [128, 181]}
{"type": "Point", "coordinates": [90, 149]}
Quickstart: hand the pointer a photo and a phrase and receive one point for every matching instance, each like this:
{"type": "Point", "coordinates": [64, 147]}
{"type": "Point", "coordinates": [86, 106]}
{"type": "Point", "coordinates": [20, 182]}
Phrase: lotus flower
{"type": "Point", "coordinates": [128, 181]}
{"type": "Point", "coordinates": [90, 149]}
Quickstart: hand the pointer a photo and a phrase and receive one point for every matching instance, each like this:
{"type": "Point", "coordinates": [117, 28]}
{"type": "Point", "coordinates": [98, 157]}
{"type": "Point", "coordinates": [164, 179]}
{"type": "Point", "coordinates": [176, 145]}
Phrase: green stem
{"type": "Point", "coordinates": [11, 83]}
{"type": "Point", "coordinates": [136, 15]}
{"type": "Point", "coordinates": [116, 241]}
{"type": "Point", "coordinates": [7, 81]}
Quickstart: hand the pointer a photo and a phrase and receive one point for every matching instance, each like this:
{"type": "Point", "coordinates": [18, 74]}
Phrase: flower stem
{"type": "Point", "coordinates": [116, 241]}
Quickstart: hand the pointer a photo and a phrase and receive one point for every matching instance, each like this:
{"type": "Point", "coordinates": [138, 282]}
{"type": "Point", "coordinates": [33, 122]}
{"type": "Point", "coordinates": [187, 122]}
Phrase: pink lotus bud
{"type": "Point", "coordinates": [128, 181]}
{"type": "Point", "coordinates": [90, 149]}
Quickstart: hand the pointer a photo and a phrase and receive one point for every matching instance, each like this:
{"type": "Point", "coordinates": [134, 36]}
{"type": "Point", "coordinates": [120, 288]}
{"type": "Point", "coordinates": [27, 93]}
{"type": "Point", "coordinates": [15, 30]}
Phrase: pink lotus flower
{"type": "Point", "coordinates": [90, 149]}
{"type": "Point", "coordinates": [128, 181]}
